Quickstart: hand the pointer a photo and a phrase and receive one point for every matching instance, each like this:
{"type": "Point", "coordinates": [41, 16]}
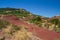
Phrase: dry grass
{"type": "Point", "coordinates": [22, 34]}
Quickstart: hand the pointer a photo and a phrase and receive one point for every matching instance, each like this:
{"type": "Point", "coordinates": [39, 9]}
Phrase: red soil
{"type": "Point", "coordinates": [39, 32]}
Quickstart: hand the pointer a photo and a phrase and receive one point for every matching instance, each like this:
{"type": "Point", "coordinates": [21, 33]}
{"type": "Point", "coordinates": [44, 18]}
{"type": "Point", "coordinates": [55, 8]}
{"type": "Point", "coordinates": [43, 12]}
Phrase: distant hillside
{"type": "Point", "coordinates": [16, 11]}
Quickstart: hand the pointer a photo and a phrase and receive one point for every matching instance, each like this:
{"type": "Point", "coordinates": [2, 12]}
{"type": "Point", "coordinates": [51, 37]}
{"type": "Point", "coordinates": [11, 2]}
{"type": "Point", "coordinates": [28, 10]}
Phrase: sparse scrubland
{"type": "Point", "coordinates": [44, 22]}
{"type": "Point", "coordinates": [14, 32]}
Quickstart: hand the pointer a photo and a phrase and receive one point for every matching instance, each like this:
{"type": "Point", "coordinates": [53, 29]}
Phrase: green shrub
{"type": "Point", "coordinates": [3, 24]}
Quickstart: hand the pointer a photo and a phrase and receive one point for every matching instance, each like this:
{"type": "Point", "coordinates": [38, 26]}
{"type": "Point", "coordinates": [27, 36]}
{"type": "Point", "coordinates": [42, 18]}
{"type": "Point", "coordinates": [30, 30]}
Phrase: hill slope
{"type": "Point", "coordinates": [28, 17]}
{"type": "Point", "coordinates": [39, 32]}
{"type": "Point", "coordinates": [39, 26]}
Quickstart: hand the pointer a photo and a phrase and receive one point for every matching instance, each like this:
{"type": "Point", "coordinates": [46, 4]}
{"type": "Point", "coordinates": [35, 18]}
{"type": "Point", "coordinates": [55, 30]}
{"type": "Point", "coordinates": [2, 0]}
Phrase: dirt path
{"type": "Point", "coordinates": [39, 32]}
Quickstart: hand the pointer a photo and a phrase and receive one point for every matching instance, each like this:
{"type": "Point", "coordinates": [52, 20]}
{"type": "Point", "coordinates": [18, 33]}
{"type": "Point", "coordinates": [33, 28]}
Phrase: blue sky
{"type": "Point", "coordinates": [46, 8]}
